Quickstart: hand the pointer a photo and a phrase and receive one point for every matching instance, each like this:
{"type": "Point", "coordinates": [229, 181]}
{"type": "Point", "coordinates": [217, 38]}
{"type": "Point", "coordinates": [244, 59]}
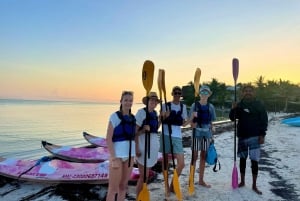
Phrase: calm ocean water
{"type": "Point", "coordinates": [24, 123]}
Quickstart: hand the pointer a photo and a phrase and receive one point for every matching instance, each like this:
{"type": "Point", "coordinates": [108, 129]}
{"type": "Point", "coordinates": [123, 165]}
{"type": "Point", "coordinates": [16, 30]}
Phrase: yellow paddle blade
{"type": "Point", "coordinates": [159, 82]}
{"type": "Point", "coordinates": [191, 180]}
{"type": "Point", "coordinates": [197, 81]}
{"type": "Point", "coordinates": [144, 195]}
{"type": "Point", "coordinates": [166, 179]}
{"type": "Point", "coordinates": [147, 75]}
{"type": "Point", "coordinates": [176, 186]}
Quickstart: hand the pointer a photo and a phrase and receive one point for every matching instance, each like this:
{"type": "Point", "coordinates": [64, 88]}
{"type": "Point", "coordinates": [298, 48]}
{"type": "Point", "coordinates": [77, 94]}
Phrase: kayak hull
{"type": "Point", "coordinates": [80, 154]}
{"type": "Point", "coordinates": [59, 171]}
{"type": "Point", "coordinates": [295, 121]}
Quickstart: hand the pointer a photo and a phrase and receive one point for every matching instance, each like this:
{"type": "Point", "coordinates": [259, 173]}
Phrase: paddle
{"type": "Point", "coordinates": [192, 167]}
{"type": "Point", "coordinates": [147, 78]}
{"type": "Point", "coordinates": [160, 81]}
{"type": "Point", "coordinates": [235, 73]}
{"type": "Point", "coordinates": [175, 181]}
{"type": "Point", "coordinates": [38, 162]}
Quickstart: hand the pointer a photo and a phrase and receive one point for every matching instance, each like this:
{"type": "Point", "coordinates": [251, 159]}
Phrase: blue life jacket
{"type": "Point", "coordinates": [152, 121]}
{"type": "Point", "coordinates": [175, 117]}
{"type": "Point", "coordinates": [203, 114]}
{"type": "Point", "coordinates": [126, 129]}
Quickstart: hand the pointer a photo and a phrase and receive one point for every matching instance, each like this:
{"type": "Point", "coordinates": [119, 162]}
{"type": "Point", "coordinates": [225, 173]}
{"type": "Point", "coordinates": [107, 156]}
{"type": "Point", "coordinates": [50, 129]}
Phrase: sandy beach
{"type": "Point", "coordinates": [278, 175]}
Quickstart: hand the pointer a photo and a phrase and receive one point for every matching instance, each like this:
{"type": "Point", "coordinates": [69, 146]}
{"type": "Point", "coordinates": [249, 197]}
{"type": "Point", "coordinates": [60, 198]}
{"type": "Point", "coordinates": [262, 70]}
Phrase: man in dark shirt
{"type": "Point", "coordinates": [251, 130]}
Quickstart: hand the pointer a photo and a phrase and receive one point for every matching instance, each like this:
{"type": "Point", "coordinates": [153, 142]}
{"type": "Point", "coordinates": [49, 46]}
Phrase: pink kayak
{"type": "Point", "coordinates": [49, 170]}
{"type": "Point", "coordinates": [80, 154]}
{"type": "Point", "coordinates": [101, 142]}
{"type": "Point", "coordinates": [95, 140]}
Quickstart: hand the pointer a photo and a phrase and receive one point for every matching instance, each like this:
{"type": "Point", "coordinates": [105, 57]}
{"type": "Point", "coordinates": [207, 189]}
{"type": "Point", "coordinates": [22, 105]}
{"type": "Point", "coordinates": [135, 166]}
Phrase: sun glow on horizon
{"type": "Point", "coordinates": [95, 51]}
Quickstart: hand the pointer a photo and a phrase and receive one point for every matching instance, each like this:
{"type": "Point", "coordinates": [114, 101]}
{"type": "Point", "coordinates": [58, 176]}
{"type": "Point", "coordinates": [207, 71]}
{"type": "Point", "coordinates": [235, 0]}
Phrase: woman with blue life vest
{"type": "Point", "coordinates": [203, 114]}
{"type": "Point", "coordinates": [175, 116]}
{"type": "Point", "coordinates": [147, 121]}
{"type": "Point", "coordinates": [121, 145]}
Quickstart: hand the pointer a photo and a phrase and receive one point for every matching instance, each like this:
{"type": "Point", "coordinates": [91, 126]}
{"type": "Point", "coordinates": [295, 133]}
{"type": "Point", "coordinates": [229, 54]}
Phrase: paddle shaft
{"type": "Point", "coordinates": [43, 159]}
{"type": "Point", "coordinates": [192, 168]}
{"type": "Point", "coordinates": [196, 89]}
{"type": "Point", "coordinates": [175, 181]}
{"type": "Point", "coordinates": [165, 158]}
{"type": "Point", "coordinates": [163, 141]}
{"type": "Point", "coordinates": [235, 123]}
{"type": "Point", "coordinates": [235, 73]}
{"type": "Point", "coordinates": [147, 78]}
{"type": "Point", "coordinates": [170, 137]}
{"type": "Point", "coordinates": [160, 86]}
{"type": "Point", "coordinates": [194, 139]}
{"type": "Point", "coordinates": [27, 171]}
{"type": "Point", "coordinates": [145, 156]}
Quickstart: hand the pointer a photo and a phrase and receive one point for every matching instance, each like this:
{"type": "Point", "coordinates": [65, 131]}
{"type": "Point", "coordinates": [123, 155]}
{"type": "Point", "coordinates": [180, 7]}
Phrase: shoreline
{"type": "Point", "coordinates": [278, 187]}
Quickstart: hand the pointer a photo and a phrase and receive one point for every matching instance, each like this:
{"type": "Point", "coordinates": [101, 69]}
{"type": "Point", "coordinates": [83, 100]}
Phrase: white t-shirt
{"type": "Point", "coordinates": [154, 142]}
{"type": "Point", "coordinates": [176, 130]}
{"type": "Point", "coordinates": [121, 148]}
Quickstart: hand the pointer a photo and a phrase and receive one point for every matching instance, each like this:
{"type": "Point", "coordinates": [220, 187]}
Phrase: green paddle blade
{"type": "Point", "coordinates": [147, 75]}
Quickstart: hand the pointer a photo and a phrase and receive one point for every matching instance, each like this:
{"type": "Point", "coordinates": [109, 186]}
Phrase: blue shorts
{"type": "Point", "coordinates": [249, 146]}
{"type": "Point", "coordinates": [176, 142]}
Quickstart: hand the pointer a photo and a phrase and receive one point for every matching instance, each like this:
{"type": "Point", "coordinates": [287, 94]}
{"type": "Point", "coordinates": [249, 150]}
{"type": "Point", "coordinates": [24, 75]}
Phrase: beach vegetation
{"type": "Point", "coordinates": [277, 95]}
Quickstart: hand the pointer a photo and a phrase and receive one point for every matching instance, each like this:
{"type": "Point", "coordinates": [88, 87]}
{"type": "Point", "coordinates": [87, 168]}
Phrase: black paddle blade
{"type": "Point", "coordinates": [235, 69]}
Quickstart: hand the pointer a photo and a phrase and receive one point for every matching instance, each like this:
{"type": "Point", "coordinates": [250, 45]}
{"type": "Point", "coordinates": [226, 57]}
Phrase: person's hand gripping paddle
{"type": "Point", "coordinates": [235, 73]}
{"type": "Point", "coordinates": [147, 78]}
{"type": "Point", "coordinates": [192, 166]}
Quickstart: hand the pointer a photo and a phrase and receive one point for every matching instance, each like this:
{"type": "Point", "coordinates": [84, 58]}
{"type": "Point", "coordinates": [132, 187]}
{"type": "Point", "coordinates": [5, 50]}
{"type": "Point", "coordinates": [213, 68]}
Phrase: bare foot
{"type": "Point", "coordinates": [241, 184]}
{"type": "Point", "coordinates": [204, 184]}
{"type": "Point", "coordinates": [255, 189]}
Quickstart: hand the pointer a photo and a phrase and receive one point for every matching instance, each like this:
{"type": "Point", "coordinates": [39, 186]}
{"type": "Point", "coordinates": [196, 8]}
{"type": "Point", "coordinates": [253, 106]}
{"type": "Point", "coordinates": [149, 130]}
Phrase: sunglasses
{"type": "Point", "coordinates": [204, 93]}
{"type": "Point", "coordinates": [177, 93]}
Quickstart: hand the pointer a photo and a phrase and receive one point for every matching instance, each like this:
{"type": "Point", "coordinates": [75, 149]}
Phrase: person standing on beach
{"type": "Point", "coordinates": [147, 121]}
{"type": "Point", "coordinates": [251, 130]}
{"type": "Point", "coordinates": [203, 114]}
{"type": "Point", "coordinates": [174, 115]}
{"type": "Point", "coordinates": [121, 145]}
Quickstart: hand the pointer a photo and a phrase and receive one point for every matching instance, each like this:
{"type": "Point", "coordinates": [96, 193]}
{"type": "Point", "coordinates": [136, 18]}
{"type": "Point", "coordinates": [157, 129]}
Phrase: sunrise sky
{"type": "Point", "coordinates": [93, 50]}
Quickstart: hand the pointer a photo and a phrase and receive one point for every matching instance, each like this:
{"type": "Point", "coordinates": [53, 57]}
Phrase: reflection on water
{"type": "Point", "coordinates": [23, 124]}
